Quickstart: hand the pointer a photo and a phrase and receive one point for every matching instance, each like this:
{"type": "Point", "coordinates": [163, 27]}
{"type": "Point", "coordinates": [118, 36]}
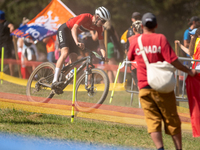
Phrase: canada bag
{"type": "Point", "coordinates": [160, 75]}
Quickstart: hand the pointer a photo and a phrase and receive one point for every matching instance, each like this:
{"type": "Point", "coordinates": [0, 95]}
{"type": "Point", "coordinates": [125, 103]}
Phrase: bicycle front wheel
{"type": "Point", "coordinates": [38, 85]}
{"type": "Point", "coordinates": [94, 94]}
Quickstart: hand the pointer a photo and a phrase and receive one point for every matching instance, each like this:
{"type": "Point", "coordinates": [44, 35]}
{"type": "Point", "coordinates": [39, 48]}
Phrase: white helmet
{"type": "Point", "coordinates": [103, 13]}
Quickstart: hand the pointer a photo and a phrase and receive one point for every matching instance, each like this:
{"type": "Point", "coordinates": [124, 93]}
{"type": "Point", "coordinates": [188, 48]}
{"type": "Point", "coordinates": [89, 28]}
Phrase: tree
{"type": "Point", "coordinates": [172, 15]}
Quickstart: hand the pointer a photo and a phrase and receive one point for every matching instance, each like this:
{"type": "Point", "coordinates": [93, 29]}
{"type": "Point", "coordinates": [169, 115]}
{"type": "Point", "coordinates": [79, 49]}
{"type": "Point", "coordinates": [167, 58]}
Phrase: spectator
{"type": "Point", "coordinates": [20, 40]}
{"type": "Point", "coordinates": [193, 23]}
{"type": "Point", "coordinates": [194, 46]}
{"type": "Point", "coordinates": [29, 53]}
{"type": "Point", "coordinates": [137, 29]}
{"type": "Point", "coordinates": [135, 16]}
{"type": "Point", "coordinates": [128, 33]}
{"type": "Point", "coordinates": [5, 39]}
{"type": "Point", "coordinates": [157, 106]}
{"type": "Point", "coordinates": [113, 45]}
{"type": "Point", "coordinates": [50, 47]}
{"type": "Point", "coordinates": [20, 46]}
{"type": "Point", "coordinates": [186, 50]}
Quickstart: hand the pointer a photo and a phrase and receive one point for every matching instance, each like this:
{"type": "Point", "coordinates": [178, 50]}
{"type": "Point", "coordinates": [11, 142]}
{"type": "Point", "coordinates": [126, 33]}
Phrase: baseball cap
{"type": "Point", "coordinates": [193, 31]}
{"type": "Point", "coordinates": [2, 15]}
{"type": "Point", "coordinates": [149, 20]}
{"type": "Point", "coordinates": [136, 15]}
{"type": "Point", "coordinates": [194, 18]}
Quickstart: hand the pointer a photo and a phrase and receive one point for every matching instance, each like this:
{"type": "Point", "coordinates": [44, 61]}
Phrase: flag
{"type": "Point", "coordinates": [192, 87]}
{"type": "Point", "coordinates": [46, 22]}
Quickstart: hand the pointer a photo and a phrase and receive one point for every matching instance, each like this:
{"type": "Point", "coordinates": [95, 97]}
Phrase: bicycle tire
{"type": "Point", "coordinates": [38, 93]}
{"type": "Point", "coordinates": [83, 100]}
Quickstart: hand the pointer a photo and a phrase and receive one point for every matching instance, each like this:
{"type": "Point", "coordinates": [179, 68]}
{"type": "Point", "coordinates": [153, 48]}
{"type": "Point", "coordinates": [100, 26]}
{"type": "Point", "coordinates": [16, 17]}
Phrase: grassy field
{"type": "Point", "coordinates": [89, 131]}
{"type": "Point", "coordinates": [85, 130]}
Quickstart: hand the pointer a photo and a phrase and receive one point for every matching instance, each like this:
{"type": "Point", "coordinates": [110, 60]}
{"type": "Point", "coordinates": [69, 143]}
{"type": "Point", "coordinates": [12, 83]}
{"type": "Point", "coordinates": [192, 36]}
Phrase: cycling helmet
{"type": "Point", "coordinates": [103, 13]}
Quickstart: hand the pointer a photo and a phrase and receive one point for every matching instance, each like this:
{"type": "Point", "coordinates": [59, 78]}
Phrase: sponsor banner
{"type": "Point", "coordinates": [46, 22]}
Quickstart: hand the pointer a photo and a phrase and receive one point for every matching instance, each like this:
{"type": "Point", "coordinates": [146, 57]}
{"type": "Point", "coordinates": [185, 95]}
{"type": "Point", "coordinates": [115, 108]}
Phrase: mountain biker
{"type": "Point", "coordinates": [68, 37]}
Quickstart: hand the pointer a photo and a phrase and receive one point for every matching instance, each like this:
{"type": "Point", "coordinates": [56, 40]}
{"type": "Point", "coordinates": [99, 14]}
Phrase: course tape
{"type": "Point", "coordinates": [65, 110]}
{"type": "Point", "coordinates": [23, 82]}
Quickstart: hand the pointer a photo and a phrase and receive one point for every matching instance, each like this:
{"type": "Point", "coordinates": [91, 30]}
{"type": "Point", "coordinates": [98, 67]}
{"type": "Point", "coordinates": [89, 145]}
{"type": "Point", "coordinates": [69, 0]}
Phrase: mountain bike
{"type": "Point", "coordinates": [92, 84]}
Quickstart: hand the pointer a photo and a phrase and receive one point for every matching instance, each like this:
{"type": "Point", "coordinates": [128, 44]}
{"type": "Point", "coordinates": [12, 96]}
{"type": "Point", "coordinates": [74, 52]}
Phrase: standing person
{"type": "Point", "coordinates": [20, 47]}
{"type": "Point", "coordinates": [135, 16]}
{"type": "Point", "coordinates": [194, 47]}
{"type": "Point", "coordinates": [113, 45]}
{"type": "Point", "coordinates": [68, 36]}
{"type": "Point", "coordinates": [193, 23]}
{"type": "Point", "coordinates": [128, 33]}
{"type": "Point", "coordinates": [157, 106]}
{"type": "Point", "coordinates": [50, 47]}
{"type": "Point", "coordinates": [5, 39]}
{"type": "Point", "coordinates": [137, 29]}
{"type": "Point", "coordinates": [29, 53]}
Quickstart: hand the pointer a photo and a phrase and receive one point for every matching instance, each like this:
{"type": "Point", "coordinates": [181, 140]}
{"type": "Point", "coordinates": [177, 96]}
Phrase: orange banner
{"type": "Point", "coordinates": [46, 22]}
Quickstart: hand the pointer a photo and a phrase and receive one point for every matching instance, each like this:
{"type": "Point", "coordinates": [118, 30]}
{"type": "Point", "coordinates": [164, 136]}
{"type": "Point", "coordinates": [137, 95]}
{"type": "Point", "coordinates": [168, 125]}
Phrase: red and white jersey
{"type": "Point", "coordinates": [84, 21]}
{"type": "Point", "coordinates": [156, 47]}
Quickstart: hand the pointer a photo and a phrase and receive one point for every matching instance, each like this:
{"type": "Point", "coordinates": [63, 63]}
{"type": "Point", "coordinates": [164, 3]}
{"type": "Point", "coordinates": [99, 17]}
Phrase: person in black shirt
{"type": "Point", "coordinates": [5, 39]}
{"type": "Point", "coordinates": [114, 51]}
{"type": "Point", "coordinates": [135, 16]}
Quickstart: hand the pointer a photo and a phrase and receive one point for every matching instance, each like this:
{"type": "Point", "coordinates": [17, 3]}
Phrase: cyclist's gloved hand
{"type": "Point", "coordinates": [81, 46]}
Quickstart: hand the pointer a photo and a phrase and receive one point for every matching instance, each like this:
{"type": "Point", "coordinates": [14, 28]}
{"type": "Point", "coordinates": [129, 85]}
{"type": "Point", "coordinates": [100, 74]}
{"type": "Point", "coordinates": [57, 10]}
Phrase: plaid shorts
{"type": "Point", "coordinates": [160, 107]}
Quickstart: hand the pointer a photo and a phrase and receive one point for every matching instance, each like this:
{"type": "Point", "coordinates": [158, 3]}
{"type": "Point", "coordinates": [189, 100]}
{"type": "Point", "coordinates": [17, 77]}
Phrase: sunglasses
{"type": "Point", "coordinates": [103, 21]}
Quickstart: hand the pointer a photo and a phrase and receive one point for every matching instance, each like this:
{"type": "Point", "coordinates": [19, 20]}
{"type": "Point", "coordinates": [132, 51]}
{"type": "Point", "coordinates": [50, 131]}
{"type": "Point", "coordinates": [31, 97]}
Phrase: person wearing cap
{"type": "Point", "coordinates": [129, 32]}
{"type": "Point", "coordinates": [185, 49]}
{"type": "Point", "coordinates": [68, 38]}
{"type": "Point", "coordinates": [193, 23]}
{"type": "Point", "coordinates": [135, 16]}
{"type": "Point", "coordinates": [5, 39]}
{"type": "Point", "coordinates": [194, 47]}
{"type": "Point", "coordinates": [157, 106]}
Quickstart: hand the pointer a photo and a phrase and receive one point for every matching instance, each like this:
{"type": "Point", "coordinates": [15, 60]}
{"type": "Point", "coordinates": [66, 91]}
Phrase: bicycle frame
{"type": "Point", "coordinates": [87, 62]}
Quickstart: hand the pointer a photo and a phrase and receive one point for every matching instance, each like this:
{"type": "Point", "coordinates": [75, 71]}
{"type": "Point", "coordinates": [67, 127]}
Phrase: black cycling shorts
{"type": "Point", "coordinates": [66, 40]}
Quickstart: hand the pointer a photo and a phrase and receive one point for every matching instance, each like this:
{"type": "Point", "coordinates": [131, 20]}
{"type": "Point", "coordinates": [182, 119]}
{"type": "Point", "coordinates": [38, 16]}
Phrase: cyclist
{"type": "Point", "coordinates": [68, 37]}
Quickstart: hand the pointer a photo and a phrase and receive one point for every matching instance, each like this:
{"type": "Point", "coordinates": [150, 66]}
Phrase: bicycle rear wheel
{"type": "Point", "coordinates": [87, 100]}
{"type": "Point", "coordinates": [38, 85]}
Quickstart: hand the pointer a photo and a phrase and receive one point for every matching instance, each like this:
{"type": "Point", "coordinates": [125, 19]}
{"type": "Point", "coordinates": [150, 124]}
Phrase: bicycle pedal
{"type": "Point", "coordinates": [57, 87]}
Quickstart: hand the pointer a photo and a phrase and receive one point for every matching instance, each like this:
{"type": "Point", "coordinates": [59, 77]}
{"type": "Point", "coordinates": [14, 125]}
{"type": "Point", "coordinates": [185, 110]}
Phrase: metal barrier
{"type": "Point", "coordinates": [181, 95]}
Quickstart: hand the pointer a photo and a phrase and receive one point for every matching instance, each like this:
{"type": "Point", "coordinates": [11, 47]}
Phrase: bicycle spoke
{"type": "Point", "coordinates": [94, 94]}
{"type": "Point", "coordinates": [41, 77]}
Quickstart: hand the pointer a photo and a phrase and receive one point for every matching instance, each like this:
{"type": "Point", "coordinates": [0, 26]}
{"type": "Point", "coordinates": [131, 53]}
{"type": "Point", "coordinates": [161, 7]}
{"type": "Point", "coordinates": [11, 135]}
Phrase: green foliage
{"type": "Point", "coordinates": [172, 15]}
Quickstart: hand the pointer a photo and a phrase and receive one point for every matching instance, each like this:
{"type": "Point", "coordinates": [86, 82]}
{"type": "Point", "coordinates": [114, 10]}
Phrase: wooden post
{"type": "Point", "coordinates": [106, 40]}
{"type": "Point", "coordinates": [16, 54]}
{"type": "Point", "coordinates": [177, 77]}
